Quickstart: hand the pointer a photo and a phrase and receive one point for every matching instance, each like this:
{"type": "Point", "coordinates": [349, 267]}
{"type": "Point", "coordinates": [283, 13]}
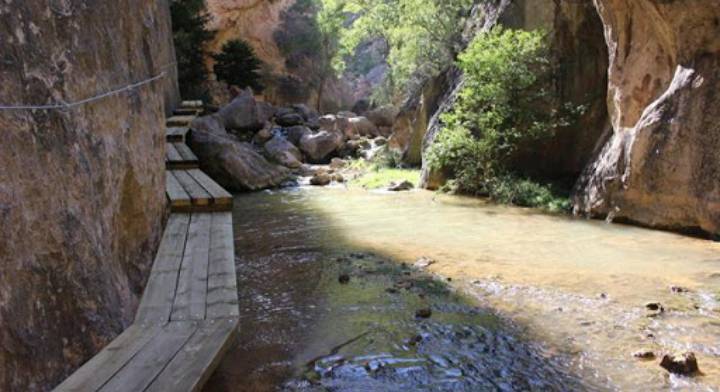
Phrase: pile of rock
{"type": "Point", "coordinates": [251, 144]}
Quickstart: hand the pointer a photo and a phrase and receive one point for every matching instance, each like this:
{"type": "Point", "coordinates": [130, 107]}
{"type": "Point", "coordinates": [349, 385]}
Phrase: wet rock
{"type": "Point", "coordinates": [424, 262]}
{"type": "Point", "coordinates": [337, 163]}
{"type": "Point", "coordinates": [684, 364]}
{"type": "Point", "coordinates": [344, 279]}
{"type": "Point", "coordinates": [321, 179]}
{"type": "Point", "coordinates": [289, 119]}
{"type": "Point", "coordinates": [423, 313]}
{"type": "Point", "coordinates": [644, 353]}
{"type": "Point", "coordinates": [319, 146]}
{"type": "Point", "coordinates": [679, 289]}
{"type": "Point", "coordinates": [391, 290]}
{"type": "Point", "coordinates": [337, 177]}
{"type": "Point", "coordinates": [282, 151]}
{"type": "Point", "coordinates": [295, 133]}
{"type": "Point", "coordinates": [305, 111]}
{"type": "Point", "coordinates": [400, 186]}
{"type": "Point", "coordinates": [380, 141]}
{"type": "Point", "coordinates": [654, 309]}
{"type": "Point", "coordinates": [262, 136]}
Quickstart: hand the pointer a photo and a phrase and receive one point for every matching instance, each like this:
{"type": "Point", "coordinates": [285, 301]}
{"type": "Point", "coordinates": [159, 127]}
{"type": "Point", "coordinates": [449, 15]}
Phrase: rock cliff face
{"type": "Point", "coordinates": [284, 35]}
{"type": "Point", "coordinates": [580, 57]}
{"type": "Point", "coordinates": [81, 189]}
{"type": "Point", "coordinates": [660, 164]}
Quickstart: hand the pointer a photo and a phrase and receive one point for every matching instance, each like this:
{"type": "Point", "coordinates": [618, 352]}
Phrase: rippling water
{"type": "Point", "coordinates": [548, 302]}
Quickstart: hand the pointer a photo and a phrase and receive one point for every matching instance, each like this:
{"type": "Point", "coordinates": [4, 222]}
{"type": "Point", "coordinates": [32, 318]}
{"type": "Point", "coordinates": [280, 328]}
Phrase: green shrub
{"type": "Point", "coordinates": [504, 105]}
{"type": "Point", "coordinates": [237, 65]}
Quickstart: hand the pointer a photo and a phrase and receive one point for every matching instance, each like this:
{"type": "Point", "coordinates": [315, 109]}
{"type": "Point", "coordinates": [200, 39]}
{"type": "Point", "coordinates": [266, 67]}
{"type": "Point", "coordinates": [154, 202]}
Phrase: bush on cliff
{"type": "Point", "coordinates": [504, 105]}
{"type": "Point", "coordinates": [237, 65]}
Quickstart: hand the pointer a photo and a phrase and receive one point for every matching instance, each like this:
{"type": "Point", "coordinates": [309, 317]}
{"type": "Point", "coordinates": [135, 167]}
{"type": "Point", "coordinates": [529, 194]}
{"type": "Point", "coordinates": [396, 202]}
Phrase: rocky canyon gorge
{"type": "Point", "coordinates": [82, 188]}
{"type": "Point", "coordinates": [86, 86]}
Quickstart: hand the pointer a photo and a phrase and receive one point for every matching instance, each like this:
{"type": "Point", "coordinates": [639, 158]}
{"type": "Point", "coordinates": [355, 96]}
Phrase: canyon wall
{"type": "Point", "coordinates": [285, 37]}
{"type": "Point", "coordinates": [81, 188]}
{"type": "Point", "coordinates": [579, 55]}
{"type": "Point", "coordinates": [660, 164]}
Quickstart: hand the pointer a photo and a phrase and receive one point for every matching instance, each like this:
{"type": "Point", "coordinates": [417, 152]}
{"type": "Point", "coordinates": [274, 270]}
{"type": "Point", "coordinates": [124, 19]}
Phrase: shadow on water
{"type": "Point", "coordinates": [303, 329]}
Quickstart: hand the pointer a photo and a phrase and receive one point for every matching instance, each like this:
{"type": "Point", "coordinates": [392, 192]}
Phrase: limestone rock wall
{"type": "Point", "coordinates": [81, 189]}
{"type": "Point", "coordinates": [660, 164]}
{"type": "Point", "coordinates": [580, 57]}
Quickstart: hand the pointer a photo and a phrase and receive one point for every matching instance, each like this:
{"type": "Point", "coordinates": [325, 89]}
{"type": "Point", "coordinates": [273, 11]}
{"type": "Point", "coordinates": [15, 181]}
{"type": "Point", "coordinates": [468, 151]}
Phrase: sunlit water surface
{"type": "Point", "coordinates": [548, 302]}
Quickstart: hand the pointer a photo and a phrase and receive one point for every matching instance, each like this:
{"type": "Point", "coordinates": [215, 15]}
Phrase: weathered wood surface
{"type": "Point", "coordinates": [179, 121]}
{"type": "Point", "coordinates": [222, 295]}
{"type": "Point", "coordinates": [176, 134]}
{"type": "Point", "coordinates": [194, 191]}
{"type": "Point", "coordinates": [188, 314]}
{"type": "Point", "coordinates": [178, 156]}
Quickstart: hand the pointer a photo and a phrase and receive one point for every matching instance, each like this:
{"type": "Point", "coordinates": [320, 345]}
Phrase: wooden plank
{"type": "Point", "coordinates": [222, 296]}
{"type": "Point", "coordinates": [178, 133]}
{"type": "Point", "coordinates": [190, 298]}
{"type": "Point", "coordinates": [191, 104]}
{"type": "Point", "coordinates": [219, 195]}
{"type": "Point", "coordinates": [139, 373]}
{"type": "Point", "coordinates": [179, 198]}
{"type": "Point", "coordinates": [198, 359]}
{"type": "Point", "coordinates": [103, 366]}
{"type": "Point", "coordinates": [187, 111]}
{"type": "Point", "coordinates": [179, 121]}
{"type": "Point", "coordinates": [172, 154]}
{"type": "Point", "coordinates": [185, 152]}
{"type": "Point", "coordinates": [198, 195]}
{"type": "Point", "coordinates": [157, 300]}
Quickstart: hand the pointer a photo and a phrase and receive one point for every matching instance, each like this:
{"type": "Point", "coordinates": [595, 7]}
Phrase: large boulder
{"type": "Point", "coordinates": [383, 116]}
{"type": "Point", "coordinates": [296, 133]}
{"type": "Point", "coordinates": [235, 165]}
{"type": "Point", "coordinates": [281, 150]}
{"type": "Point", "coordinates": [319, 147]}
{"type": "Point", "coordinates": [244, 113]}
{"type": "Point", "coordinates": [288, 117]}
{"type": "Point", "coordinates": [363, 127]}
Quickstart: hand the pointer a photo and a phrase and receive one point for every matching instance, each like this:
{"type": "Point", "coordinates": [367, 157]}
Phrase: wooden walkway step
{"type": "Point", "coordinates": [187, 317]}
{"type": "Point", "coordinates": [193, 191]}
{"type": "Point", "coordinates": [176, 134]}
{"type": "Point", "coordinates": [187, 111]}
{"type": "Point", "coordinates": [188, 314]}
{"type": "Point", "coordinates": [179, 121]}
{"type": "Point", "coordinates": [179, 156]}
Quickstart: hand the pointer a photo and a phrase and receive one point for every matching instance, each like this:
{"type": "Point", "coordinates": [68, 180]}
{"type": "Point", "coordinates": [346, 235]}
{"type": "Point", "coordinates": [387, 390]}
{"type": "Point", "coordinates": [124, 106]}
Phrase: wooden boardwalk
{"type": "Point", "coordinates": [188, 314]}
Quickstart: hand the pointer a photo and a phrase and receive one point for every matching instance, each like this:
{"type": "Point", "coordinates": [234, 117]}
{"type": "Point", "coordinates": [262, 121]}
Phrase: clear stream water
{"type": "Point", "coordinates": [520, 300]}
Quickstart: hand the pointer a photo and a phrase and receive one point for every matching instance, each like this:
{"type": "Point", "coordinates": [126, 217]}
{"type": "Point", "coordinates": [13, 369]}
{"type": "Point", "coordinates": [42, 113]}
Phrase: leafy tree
{"type": "Point", "coordinates": [238, 65]}
{"type": "Point", "coordinates": [190, 34]}
{"type": "Point", "coordinates": [504, 105]}
{"type": "Point", "coordinates": [421, 35]}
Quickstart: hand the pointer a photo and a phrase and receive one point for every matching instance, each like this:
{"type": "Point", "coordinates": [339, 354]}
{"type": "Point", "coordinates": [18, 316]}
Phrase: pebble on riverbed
{"type": "Point", "coordinates": [644, 354]}
{"type": "Point", "coordinates": [654, 309]}
{"type": "Point", "coordinates": [423, 313]}
{"type": "Point", "coordinates": [344, 279]}
{"type": "Point", "coordinates": [684, 364]}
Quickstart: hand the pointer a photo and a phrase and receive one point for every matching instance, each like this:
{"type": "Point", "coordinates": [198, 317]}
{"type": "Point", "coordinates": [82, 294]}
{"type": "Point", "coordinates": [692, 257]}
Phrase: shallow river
{"type": "Point", "coordinates": [520, 300]}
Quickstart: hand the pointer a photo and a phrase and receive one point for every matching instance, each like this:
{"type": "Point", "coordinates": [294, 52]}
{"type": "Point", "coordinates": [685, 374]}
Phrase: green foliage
{"type": "Point", "coordinates": [238, 65]}
{"type": "Point", "coordinates": [420, 34]}
{"type": "Point", "coordinates": [190, 34]}
{"type": "Point", "coordinates": [380, 177]}
{"type": "Point", "coordinates": [503, 106]}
